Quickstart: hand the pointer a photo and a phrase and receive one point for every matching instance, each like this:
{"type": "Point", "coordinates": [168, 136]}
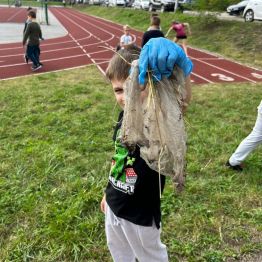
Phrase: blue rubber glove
{"type": "Point", "coordinates": [161, 55]}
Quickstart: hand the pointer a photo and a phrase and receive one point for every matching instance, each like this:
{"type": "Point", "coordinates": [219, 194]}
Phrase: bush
{"type": "Point", "coordinates": [208, 21]}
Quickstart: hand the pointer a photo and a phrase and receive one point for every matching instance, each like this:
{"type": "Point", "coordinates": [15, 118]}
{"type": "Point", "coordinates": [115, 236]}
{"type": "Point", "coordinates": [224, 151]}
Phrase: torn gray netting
{"type": "Point", "coordinates": [156, 123]}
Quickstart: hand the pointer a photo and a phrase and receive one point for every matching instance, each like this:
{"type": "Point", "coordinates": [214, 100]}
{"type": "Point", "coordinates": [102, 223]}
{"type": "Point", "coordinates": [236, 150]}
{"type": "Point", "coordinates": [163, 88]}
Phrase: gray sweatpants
{"type": "Point", "coordinates": [128, 241]}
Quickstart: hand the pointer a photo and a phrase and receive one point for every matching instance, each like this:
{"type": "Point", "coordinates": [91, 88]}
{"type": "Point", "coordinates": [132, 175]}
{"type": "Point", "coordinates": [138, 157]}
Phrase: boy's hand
{"type": "Point", "coordinates": [103, 204]}
{"type": "Point", "coordinates": [160, 54]}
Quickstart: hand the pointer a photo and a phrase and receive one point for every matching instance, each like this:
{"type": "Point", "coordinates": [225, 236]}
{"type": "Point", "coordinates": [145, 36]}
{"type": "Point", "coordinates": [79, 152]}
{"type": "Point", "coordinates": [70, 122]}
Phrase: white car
{"type": "Point", "coordinates": [141, 4]}
{"type": "Point", "coordinates": [253, 11]}
{"type": "Point", "coordinates": [237, 9]}
{"type": "Point", "coordinates": [116, 3]}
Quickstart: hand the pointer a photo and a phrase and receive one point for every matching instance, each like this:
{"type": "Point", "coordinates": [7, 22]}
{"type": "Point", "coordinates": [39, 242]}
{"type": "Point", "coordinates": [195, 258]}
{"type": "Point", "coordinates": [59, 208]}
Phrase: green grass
{"type": "Point", "coordinates": [236, 40]}
{"type": "Point", "coordinates": [55, 149]}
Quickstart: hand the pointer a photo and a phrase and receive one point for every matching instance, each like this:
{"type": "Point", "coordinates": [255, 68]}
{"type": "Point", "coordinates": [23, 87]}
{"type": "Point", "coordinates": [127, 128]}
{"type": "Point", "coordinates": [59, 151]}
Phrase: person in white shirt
{"type": "Point", "coordinates": [126, 39]}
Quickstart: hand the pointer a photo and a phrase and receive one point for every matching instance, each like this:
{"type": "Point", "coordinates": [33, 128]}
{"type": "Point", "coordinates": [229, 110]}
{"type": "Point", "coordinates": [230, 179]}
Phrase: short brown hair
{"type": "Point", "coordinates": [32, 13]}
{"type": "Point", "coordinates": [155, 20]}
{"type": "Point", "coordinates": [154, 14]}
{"type": "Point", "coordinates": [120, 64]}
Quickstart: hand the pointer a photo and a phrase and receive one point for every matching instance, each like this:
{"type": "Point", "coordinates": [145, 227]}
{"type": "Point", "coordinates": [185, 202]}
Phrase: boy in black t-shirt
{"type": "Point", "coordinates": [153, 31]}
{"type": "Point", "coordinates": [132, 198]}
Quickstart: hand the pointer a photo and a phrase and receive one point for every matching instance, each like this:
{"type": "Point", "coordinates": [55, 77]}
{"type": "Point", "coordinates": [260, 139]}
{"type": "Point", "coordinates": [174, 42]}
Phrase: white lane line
{"type": "Point", "coordinates": [53, 71]}
{"type": "Point", "coordinates": [99, 28]}
{"type": "Point", "coordinates": [69, 41]}
{"type": "Point", "coordinates": [224, 70]}
{"type": "Point", "coordinates": [100, 19]}
{"type": "Point", "coordinates": [14, 15]}
{"type": "Point", "coordinates": [203, 78]}
{"type": "Point", "coordinates": [102, 59]}
{"type": "Point", "coordinates": [97, 19]}
{"type": "Point", "coordinates": [225, 58]}
{"type": "Point", "coordinates": [208, 58]}
{"type": "Point", "coordinates": [61, 49]}
{"type": "Point", "coordinates": [83, 49]}
{"type": "Point", "coordinates": [73, 21]}
{"type": "Point", "coordinates": [47, 44]}
{"type": "Point", "coordinates": [47, 60]}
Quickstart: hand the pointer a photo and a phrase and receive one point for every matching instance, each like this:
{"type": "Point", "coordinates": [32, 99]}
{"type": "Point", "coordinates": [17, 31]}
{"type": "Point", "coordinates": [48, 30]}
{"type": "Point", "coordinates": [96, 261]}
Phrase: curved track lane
{"type": "Point", "coordinates": [89, 41]}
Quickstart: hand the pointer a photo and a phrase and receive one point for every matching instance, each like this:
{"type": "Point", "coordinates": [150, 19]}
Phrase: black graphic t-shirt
{"type": "Point", "coordinates": [133, 188]}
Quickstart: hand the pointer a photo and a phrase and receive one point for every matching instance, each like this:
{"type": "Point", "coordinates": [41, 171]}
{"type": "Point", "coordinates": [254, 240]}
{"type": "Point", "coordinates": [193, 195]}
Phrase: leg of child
{"type": "Point", "coordinates": [37, 54]}
{"type": "Point", "coordinates": [145, 242]}
{"type": "Point", "coordinates": [250, 142]}
{"type": "Point", "coordinates": [127, 241]}
{"type": "Point", "coordinates": [26, 56]}
{"type": "Point", "coordinates": [31, 55]}
{"type": "Point", "coordinates": [175, 40]}
{"type": "Point", "coordinates": [116, 240]}
{"type": "Point", "coordinates": [184, 45]}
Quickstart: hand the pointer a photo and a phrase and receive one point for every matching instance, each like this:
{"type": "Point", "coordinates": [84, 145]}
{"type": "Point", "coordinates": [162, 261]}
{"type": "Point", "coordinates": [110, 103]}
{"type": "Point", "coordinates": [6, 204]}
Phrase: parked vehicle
{"type": "Point", "coordinates": [141, 4]}
{"type": "Point", "coordinates": [129, 3]}
{"type": "Point", "coordinates": [117, 3]}
{"type": "Point", "coordinates": [185, 1]}
{"type": "Point", "coordinates": [105, 3]}
{"type": "Point", "coordinates": [238, 8]}
{"type": "Point", "coordinates": [95, 2]}
{"type": "Point", "coordinates": [162, 5]}
{"type": "Point", "coordinates": [253, 11]}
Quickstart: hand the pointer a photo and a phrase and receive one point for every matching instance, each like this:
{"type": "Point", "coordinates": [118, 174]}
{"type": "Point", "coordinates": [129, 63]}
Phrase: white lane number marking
{"type": "Point", "coordinates": [223, 77]}
{"type": "Point", "coordinates": [256, 75]}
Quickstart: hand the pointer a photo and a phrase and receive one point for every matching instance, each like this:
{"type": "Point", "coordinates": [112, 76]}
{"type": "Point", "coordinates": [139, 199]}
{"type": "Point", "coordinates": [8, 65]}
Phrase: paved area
{"type": "Point", "coordinates": [222, 16]}
{"type": "Point", "coordinates": [13, 32]}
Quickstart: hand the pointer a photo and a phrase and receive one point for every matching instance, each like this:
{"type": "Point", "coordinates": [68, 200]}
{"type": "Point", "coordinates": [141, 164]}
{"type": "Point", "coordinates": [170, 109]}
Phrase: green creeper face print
{"type": "Point", "coordinates": [122, 175]}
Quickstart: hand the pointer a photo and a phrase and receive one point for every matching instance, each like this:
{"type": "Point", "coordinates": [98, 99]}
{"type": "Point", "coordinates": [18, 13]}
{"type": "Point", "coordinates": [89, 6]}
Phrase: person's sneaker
{"type": "Point", "coordinates": [40, 64]}
{"type": "Point", "coordinates": [35, 68]}
{"type": "Point", "coordinates": [26, 59]}
{"type": "Point", "coordinates": [238, 168]}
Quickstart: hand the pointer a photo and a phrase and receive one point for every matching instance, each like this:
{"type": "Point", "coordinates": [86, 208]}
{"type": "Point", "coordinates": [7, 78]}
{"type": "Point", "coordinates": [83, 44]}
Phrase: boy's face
{"type": "Point", "coordinates": [119, 92]}
{"type": "Point", "coordinates": [118, 88]}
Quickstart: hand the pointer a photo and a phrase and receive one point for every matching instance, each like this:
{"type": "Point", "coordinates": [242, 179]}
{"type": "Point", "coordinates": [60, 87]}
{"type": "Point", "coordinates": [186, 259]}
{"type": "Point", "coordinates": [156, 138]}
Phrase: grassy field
{"type": "Point", "coordinates": [55, 149]}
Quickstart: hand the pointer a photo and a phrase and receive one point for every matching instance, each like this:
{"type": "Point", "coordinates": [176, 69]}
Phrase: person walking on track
{"type": "Point", "coordinates": [31, 36]}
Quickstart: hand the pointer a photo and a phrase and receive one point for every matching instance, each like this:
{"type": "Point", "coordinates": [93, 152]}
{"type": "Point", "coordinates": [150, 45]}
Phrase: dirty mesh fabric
{"type": "Point", "coordinates": [156, 124]}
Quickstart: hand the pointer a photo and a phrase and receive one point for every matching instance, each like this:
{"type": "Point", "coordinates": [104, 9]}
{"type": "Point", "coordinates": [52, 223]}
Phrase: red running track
{"type": "Point", "coordinates": [88, 41]}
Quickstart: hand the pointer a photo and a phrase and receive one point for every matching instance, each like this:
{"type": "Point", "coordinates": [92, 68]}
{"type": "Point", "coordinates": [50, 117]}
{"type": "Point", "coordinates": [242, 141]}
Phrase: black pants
{"type": "Point", "coordinates": [33, 52]}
